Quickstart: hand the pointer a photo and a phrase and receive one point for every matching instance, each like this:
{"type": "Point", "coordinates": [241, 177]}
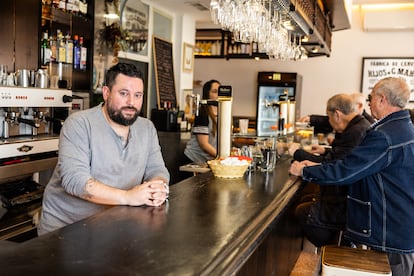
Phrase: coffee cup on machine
{"type": "Point", "coordinates": [23, 77]}
{"type": "Point", "coordinates": [42, 79]}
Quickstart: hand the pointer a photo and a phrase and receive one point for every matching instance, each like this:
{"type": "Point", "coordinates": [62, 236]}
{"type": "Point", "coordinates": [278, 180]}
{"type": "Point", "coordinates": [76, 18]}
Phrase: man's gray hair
{"type": "Point", "coordinates": [342, 102]}
{"type": "Point", "coordinates": [396, 91]}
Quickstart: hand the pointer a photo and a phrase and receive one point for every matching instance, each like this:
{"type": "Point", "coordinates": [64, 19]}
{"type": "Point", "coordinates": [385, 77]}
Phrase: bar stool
{"type": "Point", "coordinates": [346, 261]}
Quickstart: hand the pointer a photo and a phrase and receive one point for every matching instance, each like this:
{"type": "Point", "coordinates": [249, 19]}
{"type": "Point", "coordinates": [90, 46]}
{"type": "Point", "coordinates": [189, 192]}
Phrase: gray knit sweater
{"type": "Point", "coordinates": [89, 148]}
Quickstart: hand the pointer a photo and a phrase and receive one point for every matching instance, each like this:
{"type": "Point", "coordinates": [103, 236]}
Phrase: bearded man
{"type": "Point", "coordinates": [108, 155]}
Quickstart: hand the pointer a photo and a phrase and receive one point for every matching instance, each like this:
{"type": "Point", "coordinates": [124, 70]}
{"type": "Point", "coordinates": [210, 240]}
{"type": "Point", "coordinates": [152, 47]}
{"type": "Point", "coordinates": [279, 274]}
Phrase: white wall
{"type": "Point", "coordinates": [322, 76]}
{"type": "Point", "coordinates": [185, 80]}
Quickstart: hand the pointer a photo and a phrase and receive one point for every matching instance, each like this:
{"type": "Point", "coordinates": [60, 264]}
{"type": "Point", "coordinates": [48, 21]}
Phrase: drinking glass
{"type": "Point", "coordinates": [268, 153]}
{"type": "Point", "coordinates": [3, 74]}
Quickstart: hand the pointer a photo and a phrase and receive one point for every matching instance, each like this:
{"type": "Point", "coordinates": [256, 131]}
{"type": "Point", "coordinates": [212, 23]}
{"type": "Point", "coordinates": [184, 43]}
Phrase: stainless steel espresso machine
{"type": "Point", "coordinates": [30, 122]}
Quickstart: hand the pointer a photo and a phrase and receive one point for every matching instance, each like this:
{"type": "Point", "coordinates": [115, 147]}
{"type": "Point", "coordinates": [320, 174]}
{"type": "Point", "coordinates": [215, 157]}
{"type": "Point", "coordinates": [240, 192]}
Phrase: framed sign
{"type": "Point", "coordinates": [188, 58]}
{"type": "Point", "coordinates": [376, 68]}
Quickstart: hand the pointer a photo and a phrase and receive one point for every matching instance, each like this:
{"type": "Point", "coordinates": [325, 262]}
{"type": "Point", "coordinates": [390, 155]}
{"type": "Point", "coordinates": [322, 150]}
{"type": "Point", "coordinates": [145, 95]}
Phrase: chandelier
{"type": "Point", "coordinates": [272, 24]}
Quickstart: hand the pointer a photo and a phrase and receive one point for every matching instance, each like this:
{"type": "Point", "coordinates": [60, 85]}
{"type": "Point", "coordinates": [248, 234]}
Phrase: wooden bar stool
{"type": "Point", "coordinates": [346, 261]}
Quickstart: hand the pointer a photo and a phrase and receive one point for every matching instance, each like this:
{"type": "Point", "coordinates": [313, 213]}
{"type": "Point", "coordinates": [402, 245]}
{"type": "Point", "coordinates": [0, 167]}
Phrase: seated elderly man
{"type": "Point", "coordinates": [349, 126]}
{"type": "Point", "coordinates": [321, 212]}
{"type": "Point", "coordinates": [321, 122]}
{"type": "Point", "coordinates": [380, 176]}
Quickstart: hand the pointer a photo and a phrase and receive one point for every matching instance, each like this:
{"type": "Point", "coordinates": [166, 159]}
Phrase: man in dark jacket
{"type": "Point", "coordinates": [379, 175]}
{"type": "Point", "coordinates": [321, 122]}
{"type": "Point", "coordinates": [321, 212]}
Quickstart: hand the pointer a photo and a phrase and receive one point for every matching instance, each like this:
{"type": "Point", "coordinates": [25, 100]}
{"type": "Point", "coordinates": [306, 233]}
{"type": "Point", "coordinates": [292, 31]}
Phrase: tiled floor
{"type": "Point", "coordinates": [309, 261]}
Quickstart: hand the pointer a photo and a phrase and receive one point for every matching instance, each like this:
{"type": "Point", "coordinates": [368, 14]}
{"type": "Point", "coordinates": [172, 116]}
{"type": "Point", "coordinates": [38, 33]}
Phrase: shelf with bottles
{"type": "Point", "coordinates": [217, 43]}
{"type": "Point", "coordinates": [66, 42]}
{"type": "Point", "coordinates": [209, 43]}
{"type": "Point", "coordinates": [59, 49]}
{"type": "Point", "coordinates": [208, 48]}
{"type": "Point", "coordinates": [236, 49]}
{"type": "Point", "coordinates": [63, 11]}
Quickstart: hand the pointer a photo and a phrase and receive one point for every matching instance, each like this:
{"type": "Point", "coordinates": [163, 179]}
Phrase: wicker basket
{"type": "Point", "coordinates": [226, 171]}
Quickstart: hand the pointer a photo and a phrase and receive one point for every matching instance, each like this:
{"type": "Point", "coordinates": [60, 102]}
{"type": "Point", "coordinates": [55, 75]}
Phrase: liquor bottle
{"type": "Point", "coordinates": [75, 7]}
{"type": "Point", "coordinates": [45, 52]}
{"type": "Point", "coordinates": [84, 53]}
{"type": "Point", "coordinates": [69, 48]}
{"type": "Point", "coordinates": [56, 3]}
{"type": "Point", "coordinates": [62, 5]}
{"type": "Point", "coordinates": [83, 7]}
{"type": "Point", "coordinates": [61, 47]}
{"type": "Point", "coordinates": [76, 52]}
{"type": "Point", "coordinates": [70, 6]}
{"type": "Point", "coordinates": [53, 49]}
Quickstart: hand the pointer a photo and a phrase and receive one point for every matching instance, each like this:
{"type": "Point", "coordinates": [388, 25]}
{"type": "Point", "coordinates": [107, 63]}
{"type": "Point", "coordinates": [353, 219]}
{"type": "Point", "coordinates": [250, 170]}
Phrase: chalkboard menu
{"type": "Point", "coordinates": [164, 73]}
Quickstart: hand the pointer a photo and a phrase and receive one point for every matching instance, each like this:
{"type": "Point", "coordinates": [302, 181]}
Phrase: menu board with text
{"type": "Point", "coordinates": [164, 73]}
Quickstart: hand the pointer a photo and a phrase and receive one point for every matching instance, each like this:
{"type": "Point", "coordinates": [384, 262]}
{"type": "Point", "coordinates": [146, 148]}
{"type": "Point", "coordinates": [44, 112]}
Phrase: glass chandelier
{"type": "Point", "coordinates": [267, 22]}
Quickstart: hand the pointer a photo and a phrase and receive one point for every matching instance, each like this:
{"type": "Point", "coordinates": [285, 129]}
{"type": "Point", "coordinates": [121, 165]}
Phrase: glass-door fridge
{"type": "Point", "coordinates": [278, 102]}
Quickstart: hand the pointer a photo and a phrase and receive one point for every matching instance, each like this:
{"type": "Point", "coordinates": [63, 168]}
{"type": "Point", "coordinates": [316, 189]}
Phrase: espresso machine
{"type": "Point", "coordinates": [30, 122]}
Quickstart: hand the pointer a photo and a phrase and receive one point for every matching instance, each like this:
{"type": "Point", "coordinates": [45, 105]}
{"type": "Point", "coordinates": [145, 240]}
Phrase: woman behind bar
{"type": "Point", "coordinates": [202, 145]}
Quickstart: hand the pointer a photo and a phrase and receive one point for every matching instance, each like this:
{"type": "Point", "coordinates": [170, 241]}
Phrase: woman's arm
{"type": "Point", "coordinates": [205, 145]}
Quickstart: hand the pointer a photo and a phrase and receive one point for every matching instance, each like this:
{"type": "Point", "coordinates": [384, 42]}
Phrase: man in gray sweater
{"type": "Point", "coordinates": [108, 155]}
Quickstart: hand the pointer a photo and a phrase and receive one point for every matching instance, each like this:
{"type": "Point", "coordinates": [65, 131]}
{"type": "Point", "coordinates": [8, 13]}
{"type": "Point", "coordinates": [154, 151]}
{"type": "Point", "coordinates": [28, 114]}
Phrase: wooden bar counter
{"type": "Point", "coordinates": [210, 226]}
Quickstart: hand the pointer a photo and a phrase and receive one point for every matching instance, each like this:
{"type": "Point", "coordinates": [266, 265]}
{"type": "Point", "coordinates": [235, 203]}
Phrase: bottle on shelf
{"type": "Point", "coordinates": [53, 49]}
{"type": "Point", "coordinates": [45, 52]}
{"type": "Point", "coordinates": [69, 48]}
{"type": "Point", "coordinates": [76, 53]}
{"type": "Point", "coordinates": [62, 5]}
{"type": "Point", "coordinates": [84, 54]}
{"type": "Point", "coordinates": [218, 47]}
{"type": "Point", "coordinates": [72, 6]}
{"type": "Point", "coordinates": [61, 47]}
{"type": "Point", "coordinates": [56, 3]}
{"type": "Point", "coordinates": [83, 7]}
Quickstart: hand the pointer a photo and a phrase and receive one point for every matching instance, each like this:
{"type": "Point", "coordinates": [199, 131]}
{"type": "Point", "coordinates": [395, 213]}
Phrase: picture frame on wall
{"type": "Point", "coordinates": [188, 57]}
{"type": "Point", "coordinates": [135, 21]}
{"type": "Point", "coordinates": [377, 68]}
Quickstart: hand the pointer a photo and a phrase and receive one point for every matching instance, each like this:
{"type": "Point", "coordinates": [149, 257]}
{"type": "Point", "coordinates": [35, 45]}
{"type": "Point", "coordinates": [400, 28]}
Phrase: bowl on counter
{"type": "Point", "coordinates": [230, 167]}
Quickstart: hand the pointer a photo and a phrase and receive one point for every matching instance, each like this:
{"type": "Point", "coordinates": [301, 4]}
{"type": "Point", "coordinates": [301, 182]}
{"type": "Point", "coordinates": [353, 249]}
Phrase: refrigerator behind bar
{"type": "Point", "coordinates": [278, 102]}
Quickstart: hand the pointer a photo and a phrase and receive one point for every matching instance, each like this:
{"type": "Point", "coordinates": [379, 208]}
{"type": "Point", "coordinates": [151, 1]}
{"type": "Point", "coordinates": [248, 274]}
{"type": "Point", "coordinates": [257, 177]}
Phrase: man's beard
{"type": "Point", "coordinates": [117, 117]}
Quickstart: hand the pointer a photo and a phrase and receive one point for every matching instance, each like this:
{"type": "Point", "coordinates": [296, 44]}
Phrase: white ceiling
{"type": "Point", "coordinates": [193, 6]}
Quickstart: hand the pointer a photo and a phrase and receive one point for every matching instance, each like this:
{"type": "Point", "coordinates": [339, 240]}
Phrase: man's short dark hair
{"type": "Point", "coordinates": [126, 69]}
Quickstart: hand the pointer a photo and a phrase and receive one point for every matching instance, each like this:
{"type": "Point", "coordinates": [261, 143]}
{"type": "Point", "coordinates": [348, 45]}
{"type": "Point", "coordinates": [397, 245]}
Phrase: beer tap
{"type": "Point", "coordinates": [224, 102]}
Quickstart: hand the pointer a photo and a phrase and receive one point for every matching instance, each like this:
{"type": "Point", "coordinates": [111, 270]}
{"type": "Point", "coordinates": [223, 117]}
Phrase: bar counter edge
{"type": "Point", "coordinates": [209, 226]}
